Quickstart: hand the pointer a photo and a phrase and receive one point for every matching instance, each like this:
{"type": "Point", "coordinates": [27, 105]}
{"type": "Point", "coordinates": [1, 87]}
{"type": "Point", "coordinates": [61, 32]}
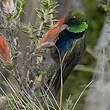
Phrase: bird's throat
{"type": "Point", "coordinates": [78, 28]}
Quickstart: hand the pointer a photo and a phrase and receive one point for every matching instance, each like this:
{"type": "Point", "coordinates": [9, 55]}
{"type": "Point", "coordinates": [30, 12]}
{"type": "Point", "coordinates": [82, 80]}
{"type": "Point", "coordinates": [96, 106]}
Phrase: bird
{"type": "Point", "coordinates": [69, 39]}
{"type": "Point", "coordinates": [4, 49]}
{"type": "Point", "coordinates": [75, 28]}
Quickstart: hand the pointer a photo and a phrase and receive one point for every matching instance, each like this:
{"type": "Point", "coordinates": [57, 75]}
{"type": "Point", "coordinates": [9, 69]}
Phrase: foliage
{"type": "Point", "coordinates": [45, 13]}
{"type": "Point", "coordinates": [10, 22]}
{"type": "Point", "coordinates": [23, 96]}
{"type": "Point", "coordinates": [105, 4]}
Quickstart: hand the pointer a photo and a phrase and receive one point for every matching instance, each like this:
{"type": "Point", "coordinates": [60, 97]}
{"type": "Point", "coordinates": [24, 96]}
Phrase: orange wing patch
{"type": "Point", "coordinates": [4, 49]}
{"type": "Point", "coordinates": [53, 32]}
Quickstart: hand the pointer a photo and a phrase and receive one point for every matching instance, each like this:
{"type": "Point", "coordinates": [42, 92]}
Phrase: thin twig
{"type": "Point", "coordinates": [81, 95]}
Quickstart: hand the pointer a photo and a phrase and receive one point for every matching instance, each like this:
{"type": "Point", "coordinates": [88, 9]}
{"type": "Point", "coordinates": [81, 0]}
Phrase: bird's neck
{"type": "Point", "coordinates": [77, 28]}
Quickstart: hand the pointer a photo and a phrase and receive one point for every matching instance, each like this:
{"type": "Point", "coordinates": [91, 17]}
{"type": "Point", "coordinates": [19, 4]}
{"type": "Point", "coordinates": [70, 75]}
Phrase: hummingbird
{"type": "Point", "coordinates": [75, 27]}
{"type": "Point", "coordinates": [68, 38]}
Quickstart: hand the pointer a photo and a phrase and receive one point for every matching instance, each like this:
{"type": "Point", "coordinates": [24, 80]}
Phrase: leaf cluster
{"type": "Point", "coordinates": [46, 12]}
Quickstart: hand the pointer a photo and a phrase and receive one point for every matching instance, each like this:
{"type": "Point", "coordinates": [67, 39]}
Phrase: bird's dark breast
{"type": "Point", "coordinates": [70, 61]}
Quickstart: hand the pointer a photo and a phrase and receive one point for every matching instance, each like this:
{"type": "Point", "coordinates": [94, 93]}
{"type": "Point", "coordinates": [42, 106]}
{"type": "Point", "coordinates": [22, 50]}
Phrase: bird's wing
{"type": "Point", "coordinates": [53, 32]}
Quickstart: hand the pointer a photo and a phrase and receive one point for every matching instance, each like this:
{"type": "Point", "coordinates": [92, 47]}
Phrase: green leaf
{"type": "Point", "coordinates": [106, 7]}
{"type": "Point", "coordinates": [78, 28]}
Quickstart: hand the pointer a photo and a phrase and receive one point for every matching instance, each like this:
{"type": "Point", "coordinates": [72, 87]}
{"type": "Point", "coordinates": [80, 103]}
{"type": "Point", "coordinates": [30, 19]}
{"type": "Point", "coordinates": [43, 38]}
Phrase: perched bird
{"type": "Point", "coordinates": [4, 49]}
{"type": "Point", "coordinates": [75, 28]}
{"type": "Point", "coordinates": [70, 40]}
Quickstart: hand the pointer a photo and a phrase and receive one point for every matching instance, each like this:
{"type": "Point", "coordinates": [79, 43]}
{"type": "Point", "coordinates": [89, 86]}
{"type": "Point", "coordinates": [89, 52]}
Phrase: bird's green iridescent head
{"type": "Point", "coordinates": [76, 21]}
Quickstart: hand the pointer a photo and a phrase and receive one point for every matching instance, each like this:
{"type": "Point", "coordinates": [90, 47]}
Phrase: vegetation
{"type": "Point", "coordinates": [23, 95]}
